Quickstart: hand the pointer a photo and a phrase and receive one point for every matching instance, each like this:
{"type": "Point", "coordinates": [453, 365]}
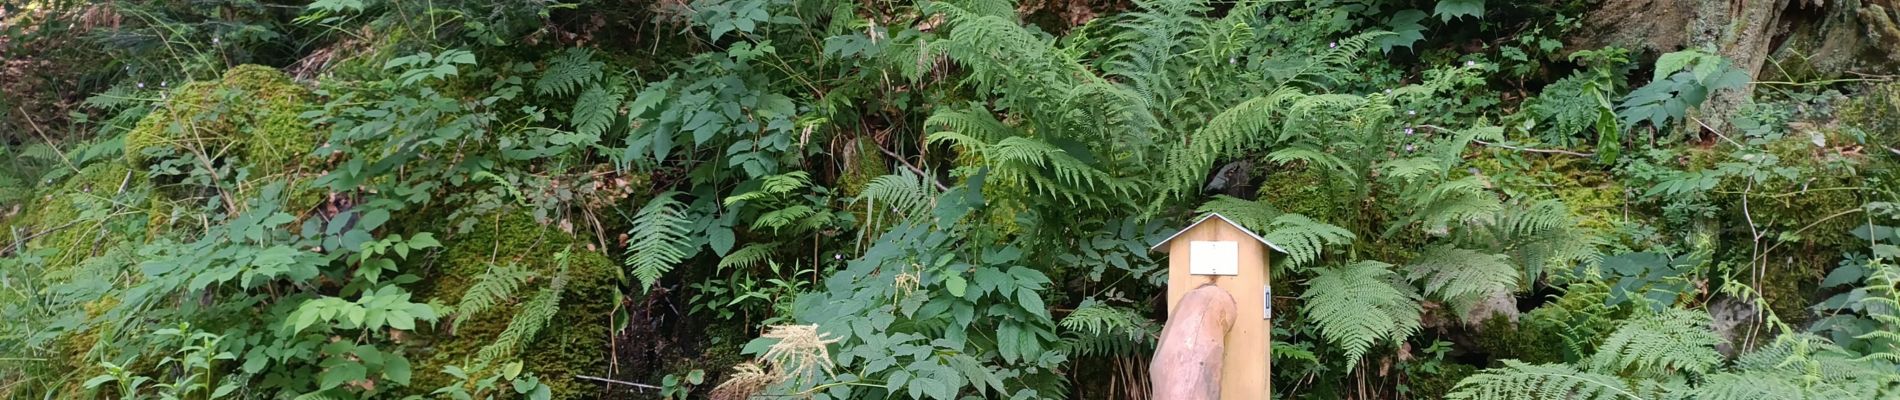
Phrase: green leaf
{"type": "Point", "coordinates": [340, 373]}
{"type": "Point", "coordinates": [957, 285]}
{"type": "Point", "coordinates": [1405, 29]}
{"type": "Point", "coordinates": [1032, 301]}
{"type": "Point", "coordinates": [1452, 9]}
{"type": "Point", "coordinates": [396, 369]}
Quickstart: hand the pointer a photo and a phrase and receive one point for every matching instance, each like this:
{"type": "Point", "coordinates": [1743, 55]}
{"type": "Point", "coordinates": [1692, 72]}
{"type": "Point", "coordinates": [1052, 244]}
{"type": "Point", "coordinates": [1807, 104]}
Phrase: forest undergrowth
{"type": "Point", "coordinates": [825, 199]}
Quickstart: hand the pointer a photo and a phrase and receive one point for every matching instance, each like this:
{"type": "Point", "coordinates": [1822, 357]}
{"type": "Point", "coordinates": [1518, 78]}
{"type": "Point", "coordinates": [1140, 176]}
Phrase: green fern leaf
{"type": "Point", "coordinates": [569, 72]}
{"type": "Point", "coordinates": [659, 239]}
{"type": "Point", "coordinates": [595, 111]}
{"type": "Point", "coordinates": [1658, 344]}
{"type": "Point", "coordinates": [1520, 381]}
{"type": "Point", "coordinates": [1462, 277]}
{"type": "Point", "coordinates": [1358, 305]}
{"type": "Point", "coordinates": [496, 285]}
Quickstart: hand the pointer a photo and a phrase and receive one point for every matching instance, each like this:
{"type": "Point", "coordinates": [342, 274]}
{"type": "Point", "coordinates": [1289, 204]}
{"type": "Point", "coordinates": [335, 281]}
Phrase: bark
{"type": "Point", "coordinates": [1741, 31]}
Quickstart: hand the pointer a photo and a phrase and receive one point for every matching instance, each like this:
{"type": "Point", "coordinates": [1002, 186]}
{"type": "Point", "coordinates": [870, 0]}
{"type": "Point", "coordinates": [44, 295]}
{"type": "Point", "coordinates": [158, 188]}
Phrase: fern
{"type": "Point", "coordinates": [1651, 345]}
{"type": "Point", "coordinates": [494, 286]}
{"type": "Point", "coordinates": [748, 256]}
{"type": "Point", "coordinates": [528, 321]}
{"type": "Point", "coordinates": [1102, 330]}
{"type": "Point", "coordinates": [595, 111]}
{"type": "Point", "coordinates": [572, 70]}
{"type": "Point", "coordinates": [1305, 239]}
{"type": "Point", "coordinates": [773, 185]}
{"type": "Point", "coordinates": [659, 239]}
{"type": "Point", "coordinates": [1542, 236]}
{"type": "Point", "coordinates": [1520, 381]}
{"type": "Point", "coordinates": [905, 192]}
{"type": "Point", "coordinates": [1462, 277]}
{"type": "Point", "coordinates": [1358, 305]}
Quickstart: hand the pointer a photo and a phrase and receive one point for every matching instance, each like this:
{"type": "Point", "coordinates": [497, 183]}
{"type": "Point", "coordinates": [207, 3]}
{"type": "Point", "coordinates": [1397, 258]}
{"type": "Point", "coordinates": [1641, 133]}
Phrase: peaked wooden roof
{"type": "Point", "coordinates": [1223, 218]}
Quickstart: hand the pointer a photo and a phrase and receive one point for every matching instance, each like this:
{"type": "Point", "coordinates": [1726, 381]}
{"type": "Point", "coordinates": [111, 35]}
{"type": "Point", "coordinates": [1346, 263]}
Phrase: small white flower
{"type": "Point", "coordinates": [1471, 63]}
{"type": "Point", "coordinates": [1333, 45]}
{"type": "Point", "coordinates": [837, 256]}
{"type": "Point", "coordinates": [1408, 148]}
{"type": "Point", "coordinates": [141, 85]}
{"type": "Point", "coordinates": [1408, 131]}
{"type": "Point", "coordinates": [214, 40]}
{"type": "Point", "coordinates": [1411, 112]}
{"type": "Point", "coordinates": [163, 83]}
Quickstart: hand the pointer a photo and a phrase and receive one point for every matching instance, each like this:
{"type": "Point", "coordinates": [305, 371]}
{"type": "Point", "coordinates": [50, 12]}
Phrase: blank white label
{"type": "Point", "coordinates": [1214, 258]}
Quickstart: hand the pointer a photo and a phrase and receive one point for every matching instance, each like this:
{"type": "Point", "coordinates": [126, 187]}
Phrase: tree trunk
{"type": "Point", "coordinates": [1741, 31]}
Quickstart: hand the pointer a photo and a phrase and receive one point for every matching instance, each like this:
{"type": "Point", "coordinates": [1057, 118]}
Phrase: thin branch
{"type": "Point", "coordinates": [49, 141]}
{"type": "Point", "coordinates": [619, 382]}
{"type": "Point", "coordinates": [1533, 150]}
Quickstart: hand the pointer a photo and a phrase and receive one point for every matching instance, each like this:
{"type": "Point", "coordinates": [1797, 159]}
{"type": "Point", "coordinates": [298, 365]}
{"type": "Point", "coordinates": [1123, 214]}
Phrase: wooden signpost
{"type": "Point", "coordinates": [1219, 313]}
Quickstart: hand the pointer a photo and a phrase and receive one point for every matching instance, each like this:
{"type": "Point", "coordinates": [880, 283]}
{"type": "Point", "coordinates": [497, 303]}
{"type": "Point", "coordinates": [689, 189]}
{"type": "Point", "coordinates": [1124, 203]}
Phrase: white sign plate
{"type": "Point", "coordinates": [1214, 258]}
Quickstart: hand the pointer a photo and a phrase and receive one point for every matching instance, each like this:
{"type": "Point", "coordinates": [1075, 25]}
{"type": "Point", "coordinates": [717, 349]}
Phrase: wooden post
{"type": "Point", "coordinates": [1188, 361]}
{"type": "Point", "coordinates": [1216, 254]}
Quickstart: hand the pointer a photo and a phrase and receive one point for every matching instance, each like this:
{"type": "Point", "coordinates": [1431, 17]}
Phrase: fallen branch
{"type": "Point", "coordinates": [1533, 150]}
{"type": "Point", "coordinates": [618, 382]}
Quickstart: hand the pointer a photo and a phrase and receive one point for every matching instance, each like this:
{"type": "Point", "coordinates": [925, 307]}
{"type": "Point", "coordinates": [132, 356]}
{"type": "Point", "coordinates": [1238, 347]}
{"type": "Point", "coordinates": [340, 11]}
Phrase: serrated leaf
{"type": "Point", "coordinates": [1451, 9]}
{"type": "Point", "coordinates": [1405, 29]}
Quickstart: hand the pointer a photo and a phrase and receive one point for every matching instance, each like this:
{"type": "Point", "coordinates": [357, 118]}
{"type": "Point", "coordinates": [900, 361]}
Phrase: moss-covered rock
{"type": "Point", "coordinates": [1435, 384]}
{"type": "Point", "coordinates": [76, 218]}
{"type": "Point", "coordinates": [1309, 192]}
{"type": "Point", "coordinates": [253, 113]}
{"type": "Point", "coordinates": [573, 342]}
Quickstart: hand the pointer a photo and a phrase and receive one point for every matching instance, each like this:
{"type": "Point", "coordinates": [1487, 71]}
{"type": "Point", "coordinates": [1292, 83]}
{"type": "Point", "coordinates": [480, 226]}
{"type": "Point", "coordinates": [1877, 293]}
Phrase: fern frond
{"type": "Point", "coordinates": [1520, 381]}
{"type": "Point", "coordinates": [748, 256]}
{"type": "Point", "coordinates": [773, 185]}
{"type": "Point", "coordinates": [1311, 154]}
{"type": "Point", "coordinates": [1652, 345]}
{"type": "Point", "coordinates": [1464, 200]}
{"type": "Point", "coordinates": [659, 239]}
{"type": "Point", "coordinates": [568, 72]}
{"type": "Point", "coordinates": [527, 322]}
{"type": "Point", "coordinates": [1544, 236]}
{"type": "Point", "coordinates": [1462, 277]}
{"type": "Point", "coordinates": [1304, 238]}
{"type": "Point", "coordinates": [971, 129]}
{"type": "Point", "coordinates": [595, 111]}
{"type": "Point", "coordinates": [1358, 305]}
{"type": "Point", "coordinates": [783, 217]}
{"type": "Point", "coordinates": [1102, 330]}
{"type": "Point", "coordinates": [494, 286]}
{"type": "Point", "coordinates": [905, 191]}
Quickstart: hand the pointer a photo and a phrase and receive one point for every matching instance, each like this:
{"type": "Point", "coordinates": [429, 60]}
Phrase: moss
{"type": "Point", "coordinates": [572, 344]}
{"type": "Point", "coordinates": [1308, 192]}
{"type": "Point", "coordinates": [253, 112]}
{"type": "Point", "coordinates": [1593, 195]}
{"type": "Point", "coordinates": [72, 215]}
{"type": "Point", "coordinates": [1504, 339]}
{"type": "Point", "coordinates": [860, 170]}
{"type": "Point", "coordinates": [1875, 112]}
{"type": "Point", "coordinates": [1436, 384]}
